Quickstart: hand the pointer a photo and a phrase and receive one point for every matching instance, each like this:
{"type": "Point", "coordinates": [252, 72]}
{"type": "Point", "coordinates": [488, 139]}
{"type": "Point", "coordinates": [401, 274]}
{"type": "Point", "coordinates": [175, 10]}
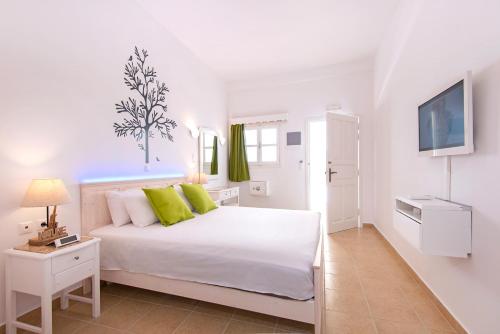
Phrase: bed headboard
{"type": "Point", "coordinates": [93, 204]}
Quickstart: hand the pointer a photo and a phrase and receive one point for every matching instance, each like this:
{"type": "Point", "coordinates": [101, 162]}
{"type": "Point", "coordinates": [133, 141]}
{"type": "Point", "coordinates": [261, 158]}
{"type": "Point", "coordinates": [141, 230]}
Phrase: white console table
{"type": "Point", "coordinates": [435, 226]}
{"type": "Point", "coordinates": [225, 196]}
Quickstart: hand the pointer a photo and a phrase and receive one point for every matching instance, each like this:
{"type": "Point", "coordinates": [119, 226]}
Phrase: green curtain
{"type": "Point", "coordinates": [238, 163]}
{"type": "Point", "coordinates": [214, 165]}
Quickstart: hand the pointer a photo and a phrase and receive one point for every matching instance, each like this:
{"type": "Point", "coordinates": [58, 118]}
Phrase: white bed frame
{"type": "Point", "coordinates": [95, 214]}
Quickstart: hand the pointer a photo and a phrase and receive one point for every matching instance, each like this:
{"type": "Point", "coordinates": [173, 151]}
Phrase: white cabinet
{"type": "Point", "coordinates": [435, 226]}
{"type": "Point", "coordinates": [45, 271]}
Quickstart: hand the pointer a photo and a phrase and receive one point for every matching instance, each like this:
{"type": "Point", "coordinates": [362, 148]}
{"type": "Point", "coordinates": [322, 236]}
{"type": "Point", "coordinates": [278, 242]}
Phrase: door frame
{"type": "Point", "coordinates": [308, 155]}
{"type": "Point", "coordinates": [358, 118]}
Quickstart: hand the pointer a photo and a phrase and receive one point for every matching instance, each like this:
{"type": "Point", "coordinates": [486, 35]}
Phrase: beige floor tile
{"type": "Point", "coordinates": [118, 289]}
{"type": "Point", "coordinates": [59, 324]}
{"type": "Point", "coordinates": [258, 318]}
{"type": "Point", "coordinates": [124, 314]}
{"type": "Point", "coordinates": [340, 268]}
{"type": "Point", "coordinates": [291, 326]}
{"type": "Point", "coordinates": [97, 329]}
{"type": "Point", "coordinates": [342, 323]}
{"type": "Point", "coordinates": [163, 299]}
{"type": "Point", "coordinates": [65, 326]}
{"type": "Point", "coordinates": [197, 323]}
{"type": "Point", "coordinates": [180, 302]}
{"type": "Point", "coordinates": [431, 317]}
{"type": "Point", "coordinates": [418, 296]}
{"type": "Point", "coordinates": [160, 320]}
{"type": "Point", "coordinates": [437, 331]}
{"type": "Point", "coordinates": [340, 282]}
{"type": "Point", "coordinates": [83, 311]}
{"type": "Point", "coordinates": [388, 274]}
{"type": "Point", "coordinates": [240, 327]}
{"type": "Point", "coordinates": [214, 309]}
{"type": "Point", "coordinates": [380, 289]}
{"type": "Point", "coordinates": [392, 309]}
{"type": "Point", "coordinates": [337, 253]}
{"type": "Point", "coordinates": [347, 302]}
{"type": "Point", "coordinates": [33, 317]}
{"type": "Point", "coordinates": [397, 327]}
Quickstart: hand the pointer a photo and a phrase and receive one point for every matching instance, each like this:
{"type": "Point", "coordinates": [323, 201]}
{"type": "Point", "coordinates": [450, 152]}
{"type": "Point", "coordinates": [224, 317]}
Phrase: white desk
{"type": "Point", "coordinates": [225, 196]}
{"type": "Point", "coordinates": [45, 274]}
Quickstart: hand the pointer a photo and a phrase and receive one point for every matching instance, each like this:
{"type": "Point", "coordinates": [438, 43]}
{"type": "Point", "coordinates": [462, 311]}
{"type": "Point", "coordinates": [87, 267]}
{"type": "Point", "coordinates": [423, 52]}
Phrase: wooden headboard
{"type": "Point", "coordinates": [93, 204]}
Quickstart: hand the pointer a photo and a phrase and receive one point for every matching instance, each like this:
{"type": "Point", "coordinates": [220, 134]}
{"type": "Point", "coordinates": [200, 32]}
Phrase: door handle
{"type": "Point", "coordinates": [330, 173]}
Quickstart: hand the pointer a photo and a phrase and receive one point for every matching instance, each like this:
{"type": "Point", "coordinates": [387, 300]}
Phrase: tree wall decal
{"type": "Point", "coordinates": [144, 117]}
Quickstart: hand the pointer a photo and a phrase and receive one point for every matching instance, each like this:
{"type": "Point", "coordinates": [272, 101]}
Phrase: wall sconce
{"type": "Point", "coordinates": [222, 139]}
{"type": "Point", "coordinates": [195, 132]}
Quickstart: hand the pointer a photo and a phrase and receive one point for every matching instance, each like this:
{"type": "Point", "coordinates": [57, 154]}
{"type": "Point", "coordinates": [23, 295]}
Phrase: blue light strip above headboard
{"type": "Point", "coordinates": [132, 178]}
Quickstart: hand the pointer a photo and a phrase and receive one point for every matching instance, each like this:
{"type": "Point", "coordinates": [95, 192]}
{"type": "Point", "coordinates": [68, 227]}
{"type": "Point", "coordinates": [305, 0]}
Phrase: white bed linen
{"type": "Point", "coordinates": [254, 249]}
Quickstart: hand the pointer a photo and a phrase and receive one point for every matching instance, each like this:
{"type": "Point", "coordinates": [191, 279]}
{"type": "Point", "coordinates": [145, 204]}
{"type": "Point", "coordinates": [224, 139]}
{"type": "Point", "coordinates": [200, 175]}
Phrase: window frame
{"type": "Point", "coordinates": [259, 128]}
{"type": "Point", "coordinates": [205, 147]}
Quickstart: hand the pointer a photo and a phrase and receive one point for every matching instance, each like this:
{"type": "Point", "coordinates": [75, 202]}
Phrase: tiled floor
{"type": "Point", "coordinates": [369, 290]}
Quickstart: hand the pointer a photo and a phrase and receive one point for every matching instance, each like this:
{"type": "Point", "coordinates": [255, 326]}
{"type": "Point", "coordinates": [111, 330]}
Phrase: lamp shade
{"type": "Point", "coordinates": [200, 178]}
{"type": "Point", "coordinates": [45, 192]}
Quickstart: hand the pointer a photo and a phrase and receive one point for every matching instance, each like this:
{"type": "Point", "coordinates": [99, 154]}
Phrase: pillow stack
{"type": "Point", "coordinates": [168, 205]}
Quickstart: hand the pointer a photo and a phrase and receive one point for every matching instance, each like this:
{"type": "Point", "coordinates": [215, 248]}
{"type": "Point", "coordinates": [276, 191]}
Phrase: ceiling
{"type": "Point", "coordinates": [241, 39]}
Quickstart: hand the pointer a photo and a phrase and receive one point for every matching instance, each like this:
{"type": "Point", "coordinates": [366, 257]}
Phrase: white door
{"type": "Point", "coordinates": [342, 171]}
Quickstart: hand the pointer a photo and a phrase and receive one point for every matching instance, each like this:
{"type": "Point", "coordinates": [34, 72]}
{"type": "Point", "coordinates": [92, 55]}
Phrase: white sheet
{"type": "Point", "coordinates": [254, 249]}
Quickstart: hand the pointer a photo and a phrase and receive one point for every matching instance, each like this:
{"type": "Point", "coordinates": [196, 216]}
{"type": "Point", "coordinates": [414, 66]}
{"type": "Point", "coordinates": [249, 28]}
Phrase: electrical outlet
{"type": "Point", "coordinates": [25, 227]}
{"type": "Point", "coordinates": [40, 224]}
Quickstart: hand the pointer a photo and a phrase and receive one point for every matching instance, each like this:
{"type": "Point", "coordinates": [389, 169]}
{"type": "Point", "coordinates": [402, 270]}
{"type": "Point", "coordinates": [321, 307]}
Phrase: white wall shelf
{"type": "Point", "coordinates": [435, 226]}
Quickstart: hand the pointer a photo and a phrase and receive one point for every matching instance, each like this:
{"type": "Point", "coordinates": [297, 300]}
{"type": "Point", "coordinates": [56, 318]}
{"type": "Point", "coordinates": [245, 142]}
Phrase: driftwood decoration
{"type": "Point", "coordinates": [145, 116]}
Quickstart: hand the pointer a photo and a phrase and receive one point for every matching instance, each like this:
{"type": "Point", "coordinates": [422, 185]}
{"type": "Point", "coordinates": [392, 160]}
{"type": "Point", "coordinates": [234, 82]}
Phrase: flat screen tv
{"type": "Point", "coordinates": [445, 121]}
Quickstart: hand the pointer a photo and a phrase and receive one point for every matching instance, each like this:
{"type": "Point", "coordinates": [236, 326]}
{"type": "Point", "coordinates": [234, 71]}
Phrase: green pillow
{"type": "Point", "coordinates": [168, 205]}
{"type": "Point", "coordinates": [198, 197]}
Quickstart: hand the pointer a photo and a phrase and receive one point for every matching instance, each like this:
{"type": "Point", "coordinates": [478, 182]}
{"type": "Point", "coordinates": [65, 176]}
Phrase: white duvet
{"type": "Point", "coordinates": [254, 249]}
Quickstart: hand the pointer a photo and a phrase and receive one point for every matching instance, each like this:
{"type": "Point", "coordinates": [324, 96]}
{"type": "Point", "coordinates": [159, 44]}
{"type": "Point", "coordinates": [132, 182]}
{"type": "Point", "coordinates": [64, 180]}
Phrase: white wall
{"type": "Point", "coordinates": [446, 39]}
{"type": "Point", "coordinates": [61, 74]}
{"type": "Point", "coordinates": [305, 95]}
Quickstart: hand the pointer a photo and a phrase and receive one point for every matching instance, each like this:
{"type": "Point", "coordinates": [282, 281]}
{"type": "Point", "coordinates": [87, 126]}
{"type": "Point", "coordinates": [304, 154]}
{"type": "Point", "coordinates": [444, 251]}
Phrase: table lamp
{"type": "Point", "coordinates": [199, 178]}
{"type": "Point", "coordinates": [46, 192]}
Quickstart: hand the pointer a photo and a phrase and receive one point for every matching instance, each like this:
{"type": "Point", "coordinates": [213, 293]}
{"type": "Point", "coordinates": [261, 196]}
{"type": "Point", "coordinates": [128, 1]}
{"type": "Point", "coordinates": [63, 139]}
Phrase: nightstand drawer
{"type": "Point", "coordinates": [66, 261]}
{"type": "Point", "coordinates": [73, 275]}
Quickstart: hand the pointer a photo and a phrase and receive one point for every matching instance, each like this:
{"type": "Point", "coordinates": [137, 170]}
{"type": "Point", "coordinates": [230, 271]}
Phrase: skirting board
{"type": "Point", "coordinates": [442, 308]}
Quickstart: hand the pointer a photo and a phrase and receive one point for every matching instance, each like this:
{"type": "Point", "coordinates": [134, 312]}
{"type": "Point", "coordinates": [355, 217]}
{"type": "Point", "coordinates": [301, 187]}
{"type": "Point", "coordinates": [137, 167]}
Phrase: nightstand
{"type": "Point", "coordinates": [225, 196]}
{"type": "Point", "coordinates": [43, 271]}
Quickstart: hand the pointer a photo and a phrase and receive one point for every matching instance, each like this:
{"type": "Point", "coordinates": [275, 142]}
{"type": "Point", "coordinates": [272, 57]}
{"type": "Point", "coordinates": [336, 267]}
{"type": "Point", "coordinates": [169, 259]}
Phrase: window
{"type": "Point", "coordinates": [262, 145]}
{"type": "Point", "coordinates": [208, 147]}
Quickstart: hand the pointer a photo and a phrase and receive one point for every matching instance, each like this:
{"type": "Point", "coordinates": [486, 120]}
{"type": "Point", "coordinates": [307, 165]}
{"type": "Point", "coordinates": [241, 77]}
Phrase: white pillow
{"type": "Point", "coordinates": [138, 208]}
{"type": "Point", "coordinates": [184, 198]}
{"type": "Point", "coordinates": [117, 209]}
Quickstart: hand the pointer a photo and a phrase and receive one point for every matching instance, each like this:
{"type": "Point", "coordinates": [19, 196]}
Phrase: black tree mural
{"type": "Point", "coordinates": [145, 116]}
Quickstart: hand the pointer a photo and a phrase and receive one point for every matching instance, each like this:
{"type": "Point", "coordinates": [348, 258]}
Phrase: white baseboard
{"type": "Point", "coordinates": [342, 226]}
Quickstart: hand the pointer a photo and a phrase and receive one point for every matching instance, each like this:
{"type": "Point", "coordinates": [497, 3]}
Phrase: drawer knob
{"type": "Point", "coordinates": [77, 258]}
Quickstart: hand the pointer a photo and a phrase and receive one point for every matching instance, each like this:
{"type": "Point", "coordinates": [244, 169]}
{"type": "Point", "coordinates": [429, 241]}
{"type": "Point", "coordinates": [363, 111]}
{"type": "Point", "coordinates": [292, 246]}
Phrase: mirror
{"type": "Point", "coordinates": [209, 152]}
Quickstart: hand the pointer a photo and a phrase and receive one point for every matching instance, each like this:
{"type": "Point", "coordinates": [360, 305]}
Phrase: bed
{"type": "Point", "coordinates": [263, 260]}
